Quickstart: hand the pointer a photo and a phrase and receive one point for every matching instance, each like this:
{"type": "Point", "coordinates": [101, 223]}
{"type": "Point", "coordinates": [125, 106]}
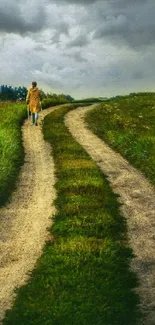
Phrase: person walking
{"type": "Point", "coordinates": [33, 100]}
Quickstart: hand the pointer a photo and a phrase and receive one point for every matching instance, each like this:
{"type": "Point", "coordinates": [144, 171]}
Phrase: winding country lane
{"type": "Point", "coordinates": [137, 198]}
{"type": "Point", "coordinates": [24, 221]}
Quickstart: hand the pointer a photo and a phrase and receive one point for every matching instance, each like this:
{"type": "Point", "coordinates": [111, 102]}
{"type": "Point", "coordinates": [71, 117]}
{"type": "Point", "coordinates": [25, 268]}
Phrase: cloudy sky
{"type": "Point", "coordinates": [80, 47]}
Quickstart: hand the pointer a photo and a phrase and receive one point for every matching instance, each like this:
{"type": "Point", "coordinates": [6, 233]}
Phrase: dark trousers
{"type": "Point", "coordinates": [34, 117]}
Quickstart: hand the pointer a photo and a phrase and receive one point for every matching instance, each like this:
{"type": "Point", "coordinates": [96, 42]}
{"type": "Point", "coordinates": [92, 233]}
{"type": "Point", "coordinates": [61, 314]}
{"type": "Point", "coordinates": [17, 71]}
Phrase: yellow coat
{"type": "Point", "coordinates": [33, 99]}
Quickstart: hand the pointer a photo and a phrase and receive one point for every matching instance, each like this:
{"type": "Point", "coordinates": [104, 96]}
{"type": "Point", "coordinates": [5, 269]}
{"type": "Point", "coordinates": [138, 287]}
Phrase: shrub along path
{"type": "Point", "coordinates": [137, 199]}
{"type": "Point", "coordinates": [25, 219]}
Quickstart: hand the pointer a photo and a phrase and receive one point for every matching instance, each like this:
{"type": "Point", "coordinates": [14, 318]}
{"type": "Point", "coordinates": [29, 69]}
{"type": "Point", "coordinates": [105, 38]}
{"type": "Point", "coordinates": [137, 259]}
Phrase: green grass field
{"type": "Point", "coordinates": [11, 148]}
{"type": "Point", "coordinates": [83, 276]}
{"type": "Point", "coordinates": [127, 125]}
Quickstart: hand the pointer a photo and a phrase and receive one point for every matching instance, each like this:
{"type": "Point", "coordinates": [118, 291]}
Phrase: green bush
{"type": "Point", "coordinates": [54, 100]}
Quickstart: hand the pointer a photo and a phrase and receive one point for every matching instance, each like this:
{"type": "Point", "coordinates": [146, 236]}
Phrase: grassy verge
{"type": "Point", "coordinates": [83, 276]}
{"type": "Point", "coordinates": [128, 126]}
{"type": "Point", "coordinates": [11, 149]}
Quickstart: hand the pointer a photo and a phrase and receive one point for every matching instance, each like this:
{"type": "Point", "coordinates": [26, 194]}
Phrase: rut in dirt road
{"type": "Point", "coordinates": [25, 219]}
{"type": "Point", "coordinates": [137, 197]}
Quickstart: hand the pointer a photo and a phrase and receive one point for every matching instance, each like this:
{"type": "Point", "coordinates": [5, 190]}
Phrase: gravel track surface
{"type": "Point", "coordinates": [24, 221]}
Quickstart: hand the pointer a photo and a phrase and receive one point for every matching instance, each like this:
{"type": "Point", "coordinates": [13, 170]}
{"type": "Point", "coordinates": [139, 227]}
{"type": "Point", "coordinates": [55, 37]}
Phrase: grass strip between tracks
{"type": "Point", "coordinates": [11, 147]}
{"type": "Point", "coordinates": [83, 276]}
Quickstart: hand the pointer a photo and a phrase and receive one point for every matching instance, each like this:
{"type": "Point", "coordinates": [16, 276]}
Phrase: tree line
{"type": "Point", "coordinates": [9, 93]}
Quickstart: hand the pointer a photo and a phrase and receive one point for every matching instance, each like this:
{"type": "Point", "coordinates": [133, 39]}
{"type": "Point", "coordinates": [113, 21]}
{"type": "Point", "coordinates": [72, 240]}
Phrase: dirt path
{"type": "Point", "coordinates": [138, 206]}
{"type": "Point", "coordinates": [24, 221]}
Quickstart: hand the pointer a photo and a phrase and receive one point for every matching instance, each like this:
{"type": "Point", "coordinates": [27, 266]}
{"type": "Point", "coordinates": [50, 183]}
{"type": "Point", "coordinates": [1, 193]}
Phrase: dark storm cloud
{"type": "Point", "coordinates": [121, 29]}
{"type": "Point", "coordinates": [88, 46]}
{"type": "Point", "coordinates": [79, 41]}
{"type": "Point", "coordinates": [138, 75]}
{"type": "Point", "coordinates": [77, 57]}
{"type": "Point", "coordinates": [77, 2]}
{"type": "Point", "coordinates": [13, 24]}
{"type": "Point", "coordinates": [131, 22]}
{"type": "Point", "coordinates": [39, 48]}
{"type": "Point", "coordinates": [13, 20]}
{"type": "Point", "coordinates": [125, 3]}
{"type": "Point", "coordinates": [59, 29]}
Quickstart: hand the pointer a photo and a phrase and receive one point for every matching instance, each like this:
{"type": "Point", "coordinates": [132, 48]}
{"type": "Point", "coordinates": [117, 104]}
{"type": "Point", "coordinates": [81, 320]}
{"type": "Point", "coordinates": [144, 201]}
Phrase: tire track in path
{"type": "Point", "coordinates": [24, 221]}
{"type": "Point", "coordinates": [137, 198]}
